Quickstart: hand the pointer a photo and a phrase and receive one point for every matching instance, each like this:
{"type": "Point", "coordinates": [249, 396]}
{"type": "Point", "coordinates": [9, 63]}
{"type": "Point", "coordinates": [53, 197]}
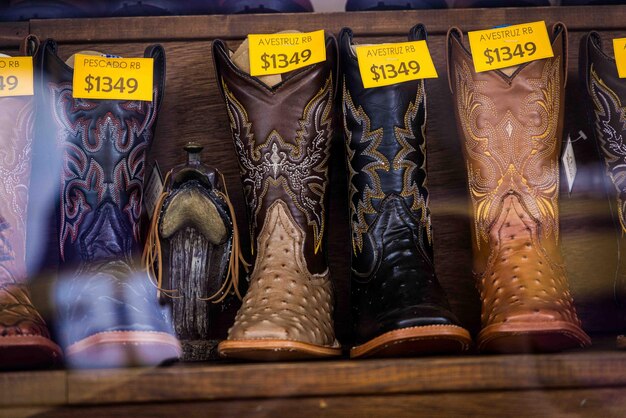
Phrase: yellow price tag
{"type": "Point", "coordinates": [97, 77]}
{"type": "Point", "coordinates": [619, 49]}
{"type": "Point", "coordinates": [509, 46]}
{"type": "Point", "coordinates": [16, 76]}
{"type": "Point", "coordinates": [283, 52]}
{"type": "Point", "coordinates": [386, 64]}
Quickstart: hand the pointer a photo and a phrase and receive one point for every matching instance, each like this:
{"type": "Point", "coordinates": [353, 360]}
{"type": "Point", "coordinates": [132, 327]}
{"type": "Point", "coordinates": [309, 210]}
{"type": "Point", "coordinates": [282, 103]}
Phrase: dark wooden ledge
{"type": "Point", "coordinates": [391, 23]}
{"type": "Point", "coordinates": [221, 381]}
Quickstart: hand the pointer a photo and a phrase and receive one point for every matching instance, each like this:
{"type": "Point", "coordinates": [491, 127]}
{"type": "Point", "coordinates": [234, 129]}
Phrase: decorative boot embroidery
{"type": "Point", "coordinates": [90, 182]}
{"type": "Point", "coordinates": [612, 143]}
{"type": "Point", "coordinates": [518, 165]}
{"type": "Point", "coordinates": [300, 169]}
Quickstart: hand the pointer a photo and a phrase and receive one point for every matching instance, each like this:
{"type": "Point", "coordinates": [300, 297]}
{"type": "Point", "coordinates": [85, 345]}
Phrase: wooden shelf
{"type": "Point", "coordinates": [585, 383]}
{"type": "Point", "coordinates": [371, 23]}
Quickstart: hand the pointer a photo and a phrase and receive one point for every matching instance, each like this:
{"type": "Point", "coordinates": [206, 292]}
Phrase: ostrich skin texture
{"type": "Point", "coordinates": [510, 124]}
{"type": "Point", "coordinates": [284, 301]}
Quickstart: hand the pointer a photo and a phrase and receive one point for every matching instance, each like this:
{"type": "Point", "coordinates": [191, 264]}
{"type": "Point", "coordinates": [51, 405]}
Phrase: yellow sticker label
{"type": "Point", "coordinates": [283, 52]}
{"type": "Point", "coordinates": [16, 76]}
{"type": "Point", "coordinates": [98, 77]}
{"type": "Point", "coordinates": [386, 64]}
{"type": "Point", "coordinates": [619, 49]}
{"type": "Point", "coordinates": [509, 46]}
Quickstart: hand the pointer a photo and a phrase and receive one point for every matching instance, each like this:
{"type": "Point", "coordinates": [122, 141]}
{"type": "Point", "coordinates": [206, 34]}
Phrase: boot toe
{"type": "Point", "coordinates": [262, 330]}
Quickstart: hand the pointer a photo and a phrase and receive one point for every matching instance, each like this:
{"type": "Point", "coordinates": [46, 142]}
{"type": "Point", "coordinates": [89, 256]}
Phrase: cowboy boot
{"type": "Point", "coordinates": [282, 136]}
{"type": "Point", "coordinates": [24, 337]}
{"type": "Point", "coordinates": [263, 6]}
{"type": "Point", "coordinates": [607, 110]}
{"type": "Point", "coordinates": [398, 305]}
{"type": "Point", "coordinates": [108, 312]}
{"type": "Point", "coordinates": [363, 5]}
{"type": "Point", "coordinates": [463, 4]}
{"type": "Point", "coordinates": [194, 222]}
{"type": "Point", "coordinates": [590, 2]}
{"type": "Point", "coordinates": [18, 10]}
{"type": "Point", "coordinates": [510, 123]}
{"type": "Point", "coordinates": [156, 7]}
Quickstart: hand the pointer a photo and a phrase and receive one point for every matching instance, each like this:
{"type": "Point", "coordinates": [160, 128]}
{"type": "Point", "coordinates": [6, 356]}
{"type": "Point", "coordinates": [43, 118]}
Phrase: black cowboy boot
{"type": "Point", "coordinates": [108, 314]}
{"type": "Point", "coordinates": [607, 112]}
{"type": "Point", "coordinates": [398, 305]}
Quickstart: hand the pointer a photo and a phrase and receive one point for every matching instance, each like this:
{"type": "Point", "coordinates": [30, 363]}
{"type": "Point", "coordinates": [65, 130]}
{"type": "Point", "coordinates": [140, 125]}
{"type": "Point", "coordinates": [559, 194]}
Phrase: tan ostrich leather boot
{"type": "Point", "coordinates": [510, 123]}
{"type": "Point", "coordinates": [282, 128]}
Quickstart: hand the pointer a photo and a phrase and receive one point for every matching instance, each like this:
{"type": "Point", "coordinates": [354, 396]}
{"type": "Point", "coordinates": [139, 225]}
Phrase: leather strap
{"type": "Point", "coordinates": [583, 61]}
{"type": "Point", "coordinates": [418, 33]}
{"type": "Point", "coordinates": [456, 32]}
{"type": "Point", "coordinates": [158, 54]}
{"type": "Point", "coordinates": [557, 29]}
{"type": "Point", "coordinates": [29, 46]}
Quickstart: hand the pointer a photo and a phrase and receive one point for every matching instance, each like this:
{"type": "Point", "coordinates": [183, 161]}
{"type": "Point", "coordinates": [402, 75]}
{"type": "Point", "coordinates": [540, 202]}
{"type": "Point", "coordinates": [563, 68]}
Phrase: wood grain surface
{"type": "Point", "coordinates": [12, 33]}
{"type": "Point", "coordinates": [452, 374]}
{"type": "Point", "coordinates": [606, 403]}
{"type": "Point", "coordinates": [391, 23]}
{"type": "Point", "coordinates": [224, 381]}
{"type": "Point", "coordinates": [33, 388]}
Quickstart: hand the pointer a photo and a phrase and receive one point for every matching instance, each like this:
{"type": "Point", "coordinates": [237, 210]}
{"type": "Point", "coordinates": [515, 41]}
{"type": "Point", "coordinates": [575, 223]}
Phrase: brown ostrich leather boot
{"type": "Point", "coordinates": [510, 122]}
{"type": "Point", "coordinates": [282, 134]}
{"type": "Point", "coordinates": [24, 338]}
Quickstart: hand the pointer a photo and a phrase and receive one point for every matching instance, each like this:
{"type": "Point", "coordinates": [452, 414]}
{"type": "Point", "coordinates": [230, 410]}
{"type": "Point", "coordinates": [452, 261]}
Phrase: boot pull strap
{"type": "Point", "coordinates": [583, 61]}
{"type": "Point", "coordinates": [218, 47]}
{"type": "Point", "coordinates": [158, 54]}
{"type": "Point", "coordinates": [46, 50]}
{"type": "Point", "coordinates": [418, 33]}
{"type": "Point", "coordinates": [332, 51]}
{"type": "Point", "coordinates": [453, 31]}
{"type": "Point", "coordinates": [236, 257]}
{"type": "Point", "coordinates": [29, 46]}
{"type": "Point", "coordinates": [588, 41]}
{"type": "Point", "coordinates": [152, 253]}
{"type": "Point", "coordinates": [559, 29]}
